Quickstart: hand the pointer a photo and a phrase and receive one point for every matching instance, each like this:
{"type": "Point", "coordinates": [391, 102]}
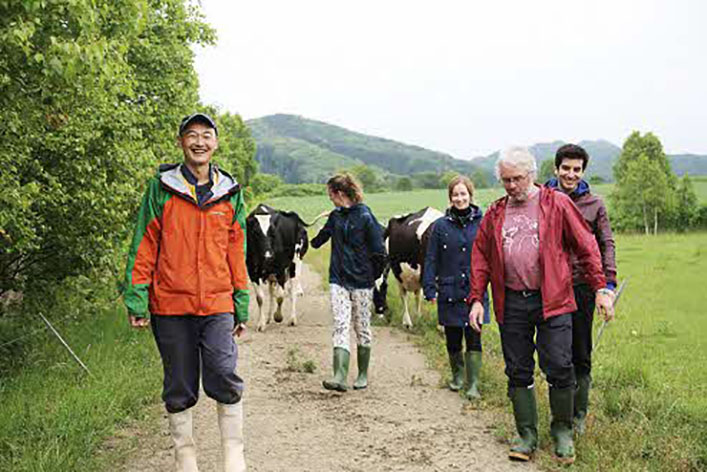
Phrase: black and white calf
{"type": "Point", "coordinates": [277, 241]}
{"type": "Point", "coordinates": [406, 242]}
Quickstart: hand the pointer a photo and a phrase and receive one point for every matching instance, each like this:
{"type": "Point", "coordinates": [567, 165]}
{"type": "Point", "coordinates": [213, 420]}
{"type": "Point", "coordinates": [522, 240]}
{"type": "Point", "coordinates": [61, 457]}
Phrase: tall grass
{"type": "Point", "coordinates": [53, 416]}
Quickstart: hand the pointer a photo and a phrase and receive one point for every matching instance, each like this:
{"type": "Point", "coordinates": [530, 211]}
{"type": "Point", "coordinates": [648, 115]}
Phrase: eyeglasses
{"type": "Point", "coordinates": [514, 180]}
{"type": "Point", "coordinates": [206, 135]}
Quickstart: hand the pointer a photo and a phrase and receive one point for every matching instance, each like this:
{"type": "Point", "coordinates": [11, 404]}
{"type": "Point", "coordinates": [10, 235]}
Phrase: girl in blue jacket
{"type": "Point", "coordinates": [446, 280]}
{"type": "Point", "coordinates": [357, 260]}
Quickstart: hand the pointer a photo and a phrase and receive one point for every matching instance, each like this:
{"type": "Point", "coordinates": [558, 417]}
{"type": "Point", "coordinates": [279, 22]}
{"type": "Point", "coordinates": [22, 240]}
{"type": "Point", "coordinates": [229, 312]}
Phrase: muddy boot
{"type": "Point", "coordinates": [341, 371]}
{"type": "Point", "coordinates": [230, 422]}
{"type": "Point", "coordinates": [180, 426]}
{"type": "Point", "coordinates": [526, 415]}
{"type": "Point", "coordinates": [561, 407]}
{"type": "Point", "coordinates": [581, 404]}
{"type": "Point", "coordinates": [472, 363]}
{"type": "Point", "coordinates": [456, 362]}
{"type": "Point", "coordinates": [363, 355]}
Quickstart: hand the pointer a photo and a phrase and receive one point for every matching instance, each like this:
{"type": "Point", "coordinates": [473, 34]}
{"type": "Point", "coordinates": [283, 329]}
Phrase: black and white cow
{"type": "Point", "coordinates": [406, 240]}
{"type": "Point", "coordinates": [277, 241]}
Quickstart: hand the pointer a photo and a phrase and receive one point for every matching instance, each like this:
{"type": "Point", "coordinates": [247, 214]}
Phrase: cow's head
{"type": "Point", "coordinates": [260, 253]}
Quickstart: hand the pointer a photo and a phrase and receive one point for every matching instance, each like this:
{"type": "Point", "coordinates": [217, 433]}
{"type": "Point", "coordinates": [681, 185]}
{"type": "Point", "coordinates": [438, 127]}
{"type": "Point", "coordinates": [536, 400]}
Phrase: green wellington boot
{"type": "Point", "coordinates": [363, 356]}
{"type": "Point", "coordinates": [581, 404]}
{"type": "Point", "coordinates": [525, 412]}
{"type": "Point", "coordinates": [472, 364]}
{"type": "Point", "coordinates": [456, 362]}
{"type": "Point", "coordinates": [562, 409]}
{"type": "Point", "coordinates": [341, 371]}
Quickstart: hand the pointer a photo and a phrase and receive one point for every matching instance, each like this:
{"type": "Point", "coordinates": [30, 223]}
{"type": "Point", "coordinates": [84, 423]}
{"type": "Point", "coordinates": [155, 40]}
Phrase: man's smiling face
{"type": "Point", "coordinates": [198, 141]}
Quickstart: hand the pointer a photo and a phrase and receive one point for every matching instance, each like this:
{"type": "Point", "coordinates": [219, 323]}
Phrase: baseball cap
{"type": "Point", "coordinates": [197, 117]}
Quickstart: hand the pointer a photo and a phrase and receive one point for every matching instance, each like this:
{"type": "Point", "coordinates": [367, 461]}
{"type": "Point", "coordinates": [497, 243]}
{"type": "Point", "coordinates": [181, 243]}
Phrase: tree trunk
{"type": "Point", "coordinates": [655, 220]}
{"type": "Point", "coordinates": [645, 218]}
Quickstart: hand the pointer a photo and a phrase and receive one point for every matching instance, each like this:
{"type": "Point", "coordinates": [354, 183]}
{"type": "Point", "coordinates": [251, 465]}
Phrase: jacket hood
{"type": "Point", "coordinates": [171, 176]}
{"type": "Point", "coordinates": [582, 187]}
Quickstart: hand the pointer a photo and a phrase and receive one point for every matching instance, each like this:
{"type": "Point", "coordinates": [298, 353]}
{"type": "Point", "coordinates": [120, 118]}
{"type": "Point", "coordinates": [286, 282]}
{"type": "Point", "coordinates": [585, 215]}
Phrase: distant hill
{"type": "Point", "coordinates": [303, 150]}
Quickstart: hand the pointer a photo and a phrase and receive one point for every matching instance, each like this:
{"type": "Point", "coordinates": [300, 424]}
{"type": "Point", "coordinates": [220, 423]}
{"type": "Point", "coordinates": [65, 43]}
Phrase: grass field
{"type": "Point", "coordinates": [650, 376]}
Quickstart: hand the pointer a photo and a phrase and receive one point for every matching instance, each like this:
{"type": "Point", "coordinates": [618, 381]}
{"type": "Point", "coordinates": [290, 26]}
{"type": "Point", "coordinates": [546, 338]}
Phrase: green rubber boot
{"type": "Point", "coordinates": [456, 362]}
{"type": "Point", "coordinates": [472, 363]}
{"type": "Point", "coordinates": [562, 409]}
{"type": "Point", "coordinates": [525, 412]}
{"type": "Point", "coordinates": [341, 371]}
{"type": "Point", "coordinates": [581, 404]}
{"type": "Point", "coordinates": [363, 355]}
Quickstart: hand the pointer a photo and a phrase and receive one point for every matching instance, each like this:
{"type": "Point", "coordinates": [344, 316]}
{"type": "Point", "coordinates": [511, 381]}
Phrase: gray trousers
{"type": "Point", "coordinates": [190, 345]}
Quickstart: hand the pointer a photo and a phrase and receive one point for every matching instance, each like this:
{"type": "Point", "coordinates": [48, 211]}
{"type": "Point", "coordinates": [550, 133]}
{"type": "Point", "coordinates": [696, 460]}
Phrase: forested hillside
{"type": "Point", "coordinates": [302, 150]}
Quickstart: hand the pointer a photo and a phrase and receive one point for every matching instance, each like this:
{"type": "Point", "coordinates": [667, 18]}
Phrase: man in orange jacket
{"type": "Point", "coordinates": [186, 272]}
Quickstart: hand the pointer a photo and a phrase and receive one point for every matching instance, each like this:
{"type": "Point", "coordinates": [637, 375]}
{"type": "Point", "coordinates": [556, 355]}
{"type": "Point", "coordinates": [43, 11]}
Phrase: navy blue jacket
{"type": "Point", "coordinates": [448, 264]}
{"type": "Point", "coordinates": [357, 252]}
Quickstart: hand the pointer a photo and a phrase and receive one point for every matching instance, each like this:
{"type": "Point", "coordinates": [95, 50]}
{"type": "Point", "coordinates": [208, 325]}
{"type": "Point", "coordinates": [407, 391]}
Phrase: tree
{"type": "Point", "coordinates": [547, 170]}
{"type": "Point", "coordinates": [367, 176]}
{"type": "Point", "coordinates": [643, 195]}
{"type": "Point", "coordinates": [236, 153]}
{"type": "Point", "coordinates": [264, 183]}
{"type": "Point", "coordinates": [446, 178]}
{"type": "Point", "coordinates": [686, 208]}
{"type": "Point", "coordinates": [479, 178]}
{"type": "Point", "coordinates": [91, 92]}
{"type": "Point", "coordinates": [403, 184]}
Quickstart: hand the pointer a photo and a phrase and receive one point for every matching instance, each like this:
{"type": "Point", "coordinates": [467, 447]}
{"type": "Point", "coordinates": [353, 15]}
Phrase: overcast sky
{"type": "Point", "coordinates": [466, 77]}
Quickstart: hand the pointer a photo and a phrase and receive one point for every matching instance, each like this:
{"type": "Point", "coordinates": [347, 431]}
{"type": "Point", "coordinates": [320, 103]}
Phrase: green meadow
{"type": "Point", "coordinates": [649, 398]}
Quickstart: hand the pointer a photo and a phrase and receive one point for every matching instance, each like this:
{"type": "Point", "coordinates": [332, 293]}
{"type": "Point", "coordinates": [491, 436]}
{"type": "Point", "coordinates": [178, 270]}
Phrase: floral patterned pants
{"type": "Point", "coordinates": [351, 306]}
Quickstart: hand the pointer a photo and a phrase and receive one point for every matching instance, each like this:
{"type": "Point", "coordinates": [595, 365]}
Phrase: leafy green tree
{"type": "Point", "coordinates": [644, 194]}
{"type": "Point", "coordinates": [403, 184]}
{"type": "Point", "coordinates": [686, 208]}
{"type": "Point", "coordinates": [480, 179]}
{"type": "Point", "coordinates": [446, 178]}
{"type": "Point", "coordinates": [426, 180]}
{"type": "Point", "coordinates": [547, 170]}
{"type": "Point", "coordinates": [236, 152]}
{"type": "Point", "coordinates": [368, 178]}
{"type": "Point", "coordinates": [596, 180]}
{"type": "Point", "coordinates": [265, 183]}
{"type": "Point", "coordinates": [91, 92]}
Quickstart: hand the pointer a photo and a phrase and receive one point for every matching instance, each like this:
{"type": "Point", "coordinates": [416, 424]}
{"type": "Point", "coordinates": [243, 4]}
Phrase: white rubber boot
{"type": "Point", "coordinates": [230, 421]}
{"type": "Point", "coordinates": [180, 425]}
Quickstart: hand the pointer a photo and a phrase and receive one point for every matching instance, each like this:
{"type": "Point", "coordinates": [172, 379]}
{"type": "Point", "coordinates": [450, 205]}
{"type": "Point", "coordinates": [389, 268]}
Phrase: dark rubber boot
{"type": "Point", "coordinates": [363, 355]}
{"type": "Point", "coordinates": [525, 412]}
{"type": "Point", "coordinates": [581, 404]}
{"type": "Point", "coordinates": [341, 371]}
{"type": "Point", "coordinates": [562, 408]}
{"type": "Point", "coordinates": [472, 364]}
{"type": "Point", "coordinates": [456, 362]}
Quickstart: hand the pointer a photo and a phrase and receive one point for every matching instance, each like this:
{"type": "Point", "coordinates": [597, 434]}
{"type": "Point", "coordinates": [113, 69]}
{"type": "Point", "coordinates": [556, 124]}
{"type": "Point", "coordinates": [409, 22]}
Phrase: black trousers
{"type": "Point", "coordinates": [582, 330]}
{"type": "Point", "coordinates": [454, 335]}
{"type": "Point", "coordinates": [522, 320]}
{"type": "Point", "coordinates": [188, 344]}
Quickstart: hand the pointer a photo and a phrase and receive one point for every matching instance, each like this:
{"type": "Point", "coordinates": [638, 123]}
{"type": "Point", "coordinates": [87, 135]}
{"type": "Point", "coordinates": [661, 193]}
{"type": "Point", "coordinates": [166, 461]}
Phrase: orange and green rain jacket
{"type": "Point", "coordinates": [187, 259]}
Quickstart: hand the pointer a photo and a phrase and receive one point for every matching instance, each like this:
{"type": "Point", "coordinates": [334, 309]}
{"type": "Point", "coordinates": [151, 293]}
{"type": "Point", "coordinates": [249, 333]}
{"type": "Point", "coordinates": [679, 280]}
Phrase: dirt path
{"type": "Point", "coordinates": [404, 421]}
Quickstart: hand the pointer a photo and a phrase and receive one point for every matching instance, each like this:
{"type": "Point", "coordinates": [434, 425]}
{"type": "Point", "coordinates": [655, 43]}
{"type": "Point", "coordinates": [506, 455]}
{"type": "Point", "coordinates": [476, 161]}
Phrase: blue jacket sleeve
{"type": "Point", "coordinates": [429, 277]}
{"type": "Point", "coordinates": [324, 234]}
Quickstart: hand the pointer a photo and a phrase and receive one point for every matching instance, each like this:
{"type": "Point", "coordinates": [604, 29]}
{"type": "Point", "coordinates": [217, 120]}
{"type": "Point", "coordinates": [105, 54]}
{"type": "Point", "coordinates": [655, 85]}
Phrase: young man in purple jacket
{"type": "Point", "coordinates": [570, 163]}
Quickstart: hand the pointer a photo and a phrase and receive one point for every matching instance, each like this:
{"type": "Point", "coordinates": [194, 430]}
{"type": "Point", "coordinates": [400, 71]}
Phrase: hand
{"type": "Point", "coordinates": [239, 330]}
{"type": "Point", "coordinates": [605, 305]}
{"type": "Point", "coordinates": [137, 322]}
{"type": "Point", "coordinates": [476, 316]}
